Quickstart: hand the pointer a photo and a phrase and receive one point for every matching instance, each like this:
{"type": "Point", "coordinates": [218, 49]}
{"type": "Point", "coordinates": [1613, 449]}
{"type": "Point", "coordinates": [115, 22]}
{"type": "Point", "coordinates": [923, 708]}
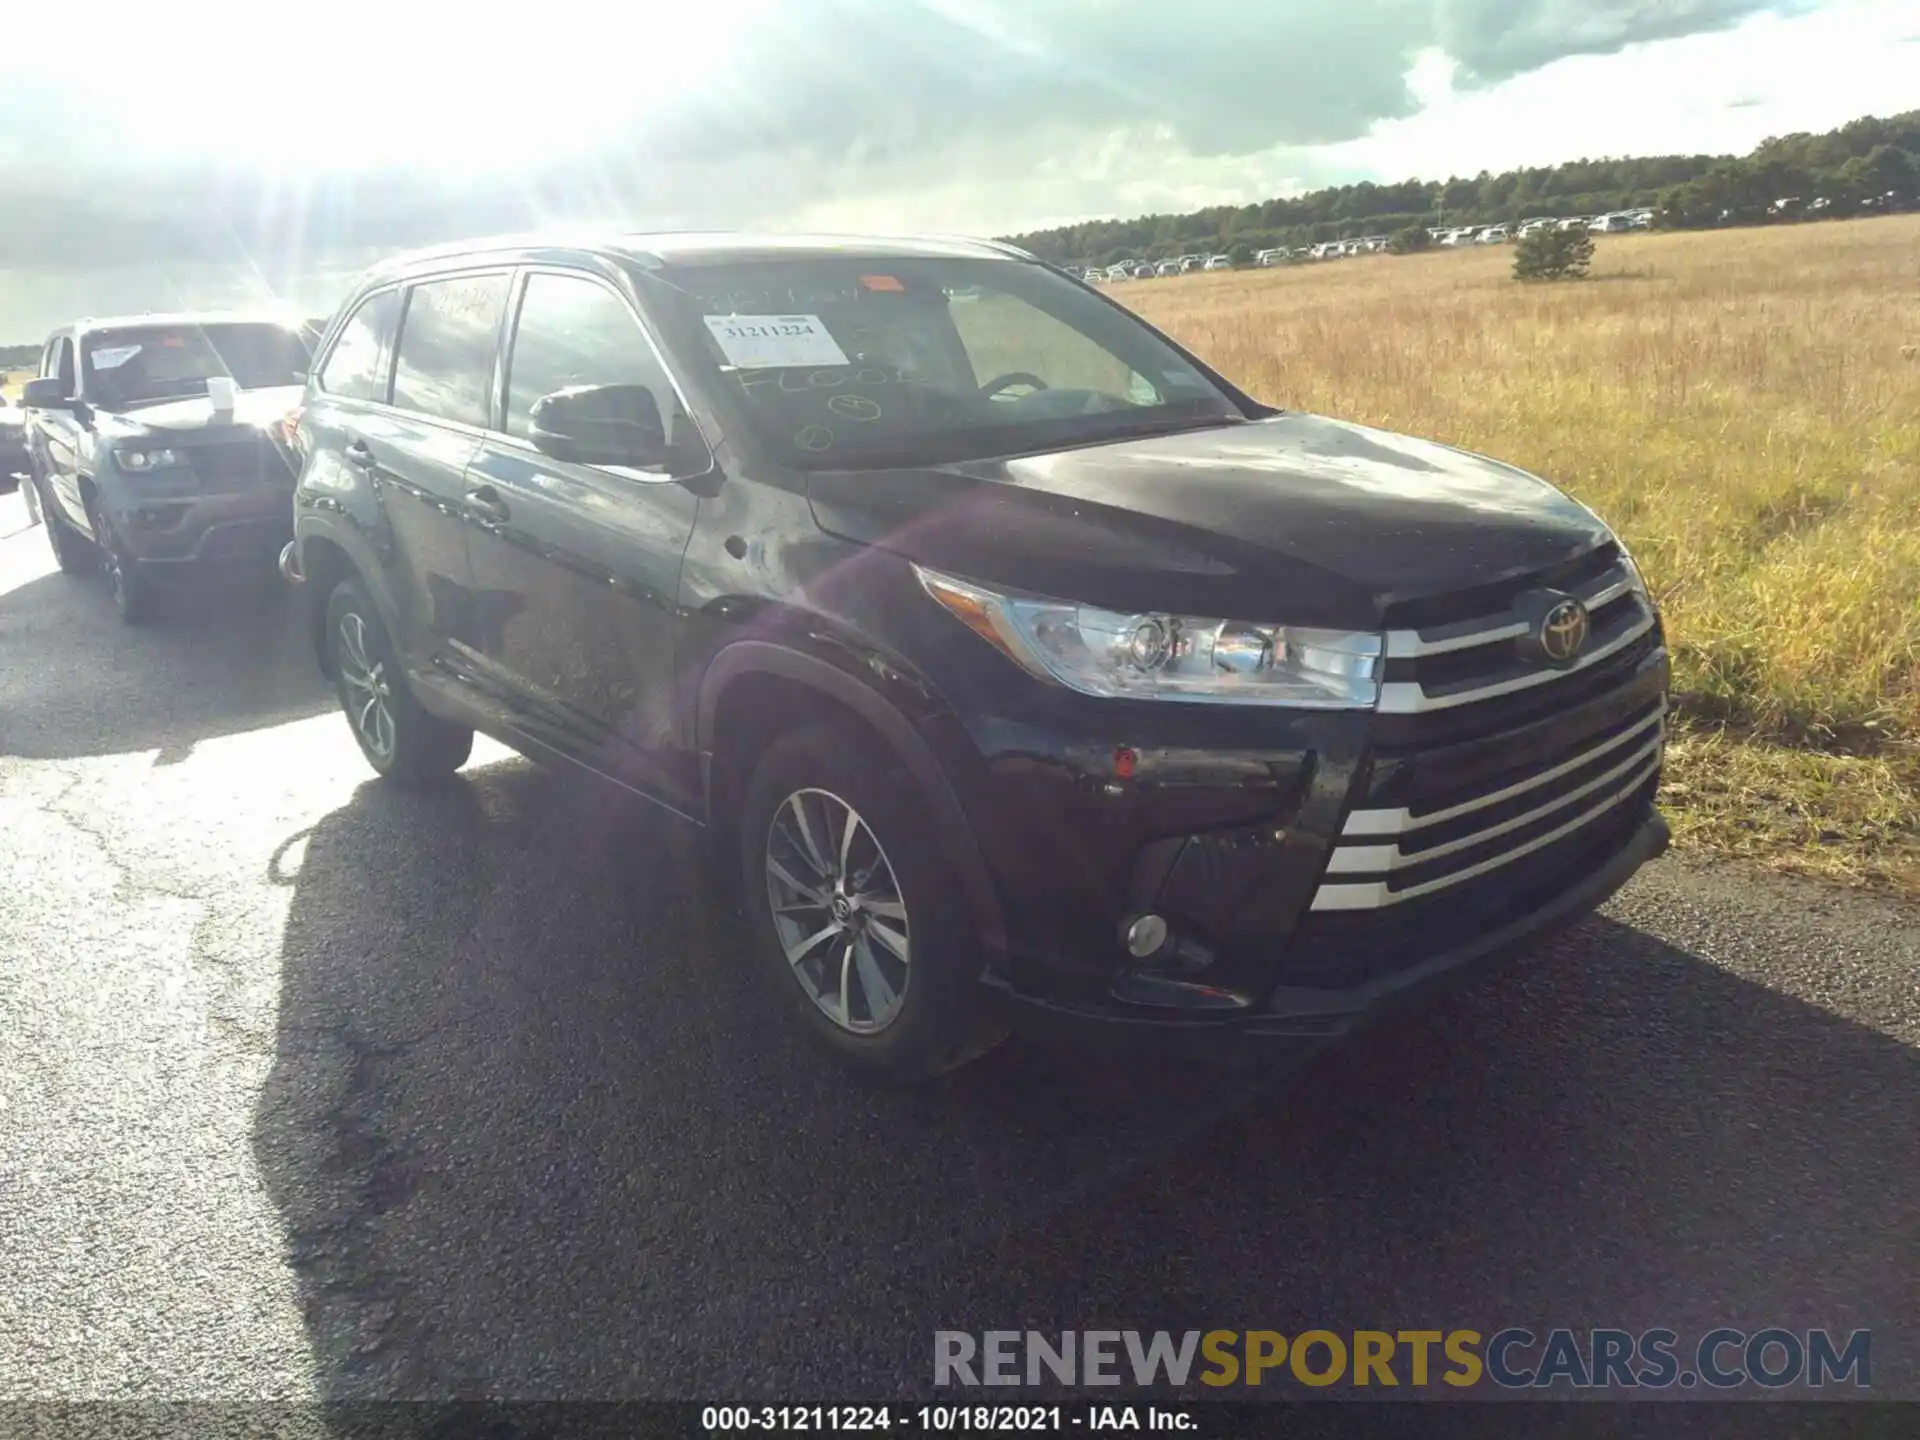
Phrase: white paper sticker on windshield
{"type": "Point", "coordinates": [109, 356]}
{"type": "Point", "coordinates": [757, 341]}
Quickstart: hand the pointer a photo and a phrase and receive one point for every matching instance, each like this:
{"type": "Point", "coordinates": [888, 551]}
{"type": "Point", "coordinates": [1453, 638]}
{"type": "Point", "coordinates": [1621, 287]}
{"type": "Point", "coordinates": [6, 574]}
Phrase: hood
{"type": "Point", "coordinates": [1297, 519]}
{"type": "Point", "coordinates": [259, 409]}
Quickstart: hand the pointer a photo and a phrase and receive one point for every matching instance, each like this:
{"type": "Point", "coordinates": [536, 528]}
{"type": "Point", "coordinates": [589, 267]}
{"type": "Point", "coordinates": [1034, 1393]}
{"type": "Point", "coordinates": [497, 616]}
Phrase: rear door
{"type": "Point", "coordinates": [415, 451]}
{"type": "Point", "coordinates": [577, 567]}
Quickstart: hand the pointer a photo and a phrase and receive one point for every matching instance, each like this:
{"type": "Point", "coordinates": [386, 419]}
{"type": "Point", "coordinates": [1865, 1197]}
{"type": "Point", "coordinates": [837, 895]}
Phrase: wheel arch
{"type": "Point", "coordinates": [755, 690]}
{"type": "Point", "coordinates": [327, 558]}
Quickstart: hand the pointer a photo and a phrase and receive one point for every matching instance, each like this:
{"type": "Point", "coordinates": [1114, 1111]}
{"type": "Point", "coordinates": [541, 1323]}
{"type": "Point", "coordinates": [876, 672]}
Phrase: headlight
{"type": "Point", "coordinates": [1155, 656]}
{"type": "Point", "coordinates": [137, 461]}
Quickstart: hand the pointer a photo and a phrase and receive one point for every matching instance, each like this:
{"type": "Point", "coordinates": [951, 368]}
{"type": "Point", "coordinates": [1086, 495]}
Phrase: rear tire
{"type": "Point", "coordinates": [825, 833]}
{"type": "Point", "coordinates": [72, 551]}
{"type": "Point", "coordinates": [402, 742]}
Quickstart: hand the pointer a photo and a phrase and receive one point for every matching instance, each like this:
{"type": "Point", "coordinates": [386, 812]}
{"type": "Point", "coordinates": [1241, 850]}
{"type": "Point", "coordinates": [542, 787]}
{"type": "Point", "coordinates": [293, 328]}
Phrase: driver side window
{"type": "Point", "coordinates": [1005, 335]}
{"type": "Point", "coordinates": [575, 331]}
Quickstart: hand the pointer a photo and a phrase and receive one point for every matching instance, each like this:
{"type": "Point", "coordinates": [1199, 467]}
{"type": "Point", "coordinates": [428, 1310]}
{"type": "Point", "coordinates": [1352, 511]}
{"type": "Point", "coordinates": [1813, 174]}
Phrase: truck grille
{"type": "Point", "coordinates": [1484, 756]}
{"type": "Point", "coordinates": [241, 463]}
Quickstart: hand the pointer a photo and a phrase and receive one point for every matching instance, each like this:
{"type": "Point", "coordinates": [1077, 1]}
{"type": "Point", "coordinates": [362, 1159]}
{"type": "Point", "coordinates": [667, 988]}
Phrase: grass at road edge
{"type": "Point", "coordinates": [1844, 818]}
{"type": "Point", "coordinates": [1744, 408]}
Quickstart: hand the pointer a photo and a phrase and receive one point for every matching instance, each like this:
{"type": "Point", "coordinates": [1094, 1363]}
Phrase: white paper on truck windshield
{"type": "Point", "coordinates": [758, 342]}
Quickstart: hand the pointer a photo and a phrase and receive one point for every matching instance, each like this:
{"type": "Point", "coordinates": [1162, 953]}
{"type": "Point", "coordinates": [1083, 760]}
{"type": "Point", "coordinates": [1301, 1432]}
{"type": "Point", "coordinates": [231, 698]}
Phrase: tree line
{"type": "Point", "coordinates": [1851, 169]}
{"type": "Point", "coordinates": [1866, 166]}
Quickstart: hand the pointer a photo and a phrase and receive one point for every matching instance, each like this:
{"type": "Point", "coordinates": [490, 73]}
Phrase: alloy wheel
{"type": "Point", "coordinates": [116, 571]}
{"type": "Point", "coordinates": [369, 688]}
{"type": "Point", "coordinates": [838, 911]}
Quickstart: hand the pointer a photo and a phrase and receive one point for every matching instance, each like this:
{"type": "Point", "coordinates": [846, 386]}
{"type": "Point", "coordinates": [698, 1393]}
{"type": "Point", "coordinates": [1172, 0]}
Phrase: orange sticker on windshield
{"type": "Point", "coordinates": [881, 282]}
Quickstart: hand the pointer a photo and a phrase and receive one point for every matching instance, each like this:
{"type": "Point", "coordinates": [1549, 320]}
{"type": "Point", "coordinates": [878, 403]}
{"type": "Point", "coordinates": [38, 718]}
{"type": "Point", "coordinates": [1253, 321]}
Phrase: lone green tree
{"type": "Point", "coordinates": [1551, 253]}
{"type": "Point", "coordinates": [1410, 241]}
{"type": "Point", "coordinates": [1241, 254]}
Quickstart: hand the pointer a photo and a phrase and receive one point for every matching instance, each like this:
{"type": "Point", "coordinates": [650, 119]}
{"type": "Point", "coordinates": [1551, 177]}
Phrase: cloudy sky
{"type": "Point", "coordinates": [240, 150]}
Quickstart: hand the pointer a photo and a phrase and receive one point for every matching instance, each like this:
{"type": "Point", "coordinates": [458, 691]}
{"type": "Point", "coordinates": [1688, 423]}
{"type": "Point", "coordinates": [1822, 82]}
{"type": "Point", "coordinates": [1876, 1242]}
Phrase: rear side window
{"type": "Point", "coordinates": [356, 367]}
{"type": "Point", "coordinates": [447, 337]}
{"type": "Point", "coordinates": [574, 331]}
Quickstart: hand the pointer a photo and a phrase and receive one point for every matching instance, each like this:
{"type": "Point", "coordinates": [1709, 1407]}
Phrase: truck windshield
{"type": "Point", "coordinates": [844, 362]}
{"type": "Point", "coordinates": [138, 365]}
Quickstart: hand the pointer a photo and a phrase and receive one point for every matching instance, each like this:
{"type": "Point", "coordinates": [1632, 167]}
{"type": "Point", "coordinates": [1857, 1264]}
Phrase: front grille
{"type": "Point", "coordinates": [1468, 662]}
{"type": "Point", "coordinates": [244, 539]}
{"type": "Point", "coordinates": [1385, 857]}
{"type": "Point", "coordinates": [1339, 949]}
{"type": "Point", "coordinates": [241, 463]}
{"type": "Point", "coordinates": [1483, 756]}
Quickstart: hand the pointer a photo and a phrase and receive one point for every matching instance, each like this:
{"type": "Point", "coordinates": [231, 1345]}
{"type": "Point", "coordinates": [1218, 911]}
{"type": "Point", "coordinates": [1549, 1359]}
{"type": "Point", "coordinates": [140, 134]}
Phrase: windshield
{"type": "Point", "coordinates": [132, 366]}
{"type": "Point", "coordinates": [850, 363]}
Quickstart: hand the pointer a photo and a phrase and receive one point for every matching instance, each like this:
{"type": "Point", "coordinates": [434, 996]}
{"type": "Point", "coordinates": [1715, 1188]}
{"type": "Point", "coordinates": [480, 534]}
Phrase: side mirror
{"type": "Point", "coordinates": [601, 425]}
{"type": "Point", "coordinates": [46, 393]}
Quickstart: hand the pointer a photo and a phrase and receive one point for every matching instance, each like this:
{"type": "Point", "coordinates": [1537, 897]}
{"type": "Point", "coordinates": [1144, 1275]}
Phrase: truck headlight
{"type": "Point", "coordinates": [144, 458]}
{"type": "Point", "coordinates": [1162, 656]}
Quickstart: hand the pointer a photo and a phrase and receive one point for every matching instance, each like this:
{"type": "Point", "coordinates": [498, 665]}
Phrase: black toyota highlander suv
{"type": "Point", "coordinates": [1028, 666]}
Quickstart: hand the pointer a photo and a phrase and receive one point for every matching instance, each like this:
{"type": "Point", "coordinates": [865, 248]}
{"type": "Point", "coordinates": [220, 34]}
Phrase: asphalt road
{"type": "Point", "coordinates": [309, 1087]}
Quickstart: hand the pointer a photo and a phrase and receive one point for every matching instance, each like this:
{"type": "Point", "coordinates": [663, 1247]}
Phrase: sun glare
{"type": "Point", "coordinates": [486, 87]}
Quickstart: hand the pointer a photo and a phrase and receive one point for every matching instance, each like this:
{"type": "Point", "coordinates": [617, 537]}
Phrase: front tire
{"type": "Point", "coordinates": [134, 600]}
{"type": "Point", "coordinates": [402, 742]}
{"type": "Point", "coordinates": [858, 922]}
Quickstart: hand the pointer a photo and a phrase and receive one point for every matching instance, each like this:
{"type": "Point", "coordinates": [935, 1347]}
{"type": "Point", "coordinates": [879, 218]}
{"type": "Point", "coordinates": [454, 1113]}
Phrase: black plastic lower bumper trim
{"type": "Point", "coordinates": [1305, 1016]}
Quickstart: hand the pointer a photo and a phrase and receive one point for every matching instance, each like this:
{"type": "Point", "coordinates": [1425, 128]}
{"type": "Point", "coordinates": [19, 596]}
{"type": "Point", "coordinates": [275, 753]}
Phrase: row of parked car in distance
{"type": "Point", "coordinates": [1149, 269]}
{"type": "Point", "coordinates": [1616, 222]}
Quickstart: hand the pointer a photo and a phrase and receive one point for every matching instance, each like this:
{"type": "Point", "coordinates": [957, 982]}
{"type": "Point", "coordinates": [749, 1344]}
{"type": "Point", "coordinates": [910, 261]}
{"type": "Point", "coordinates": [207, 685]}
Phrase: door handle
{"type": "Point", "coordinates": [485, 502]}
{"type": "Point", "coordinates": [359, 456]}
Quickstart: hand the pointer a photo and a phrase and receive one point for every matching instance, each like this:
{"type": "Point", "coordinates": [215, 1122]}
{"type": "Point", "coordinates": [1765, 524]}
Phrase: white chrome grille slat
{"type": "Point", "coordinates": [1375, 859]}
{"type": "Point", "coordinates": [1408, 644]}
{"type": "Point", "coordinates": [1399, 821]}
{"type": "Point", "coordinates": [1493, 628]}
{"type": "Point", "coordinates": [1375, 894]}
{"type": "Point", "coordinates": [1409, 697]}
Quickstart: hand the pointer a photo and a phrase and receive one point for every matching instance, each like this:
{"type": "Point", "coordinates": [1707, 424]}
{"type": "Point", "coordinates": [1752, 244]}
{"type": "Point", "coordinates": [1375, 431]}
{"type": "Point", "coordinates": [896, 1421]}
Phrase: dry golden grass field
{"type": "Point", "coordinates": [1745, 408]}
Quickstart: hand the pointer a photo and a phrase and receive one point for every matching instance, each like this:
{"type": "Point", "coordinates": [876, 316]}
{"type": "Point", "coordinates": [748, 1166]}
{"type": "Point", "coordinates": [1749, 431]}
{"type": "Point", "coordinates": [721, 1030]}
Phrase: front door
{"type": "Point", "coordinates": [58, 435]}
{"type": "Point", "coordinates": [576, 568]}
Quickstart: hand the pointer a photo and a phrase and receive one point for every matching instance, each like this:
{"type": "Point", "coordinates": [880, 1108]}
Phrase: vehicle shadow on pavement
{"type": "Point", "coordinates": [222, 658]}
{"type": "Point", "coordinates": [534, 1132]}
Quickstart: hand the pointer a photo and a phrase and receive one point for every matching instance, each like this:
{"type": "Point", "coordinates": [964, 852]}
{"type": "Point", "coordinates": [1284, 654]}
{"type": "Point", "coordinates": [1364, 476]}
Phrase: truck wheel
{"type": "Point", "coordinates": [71, 550]}
{"type": "Point", "coordinates": [133, 595]}
{"type": "Point", "coordinates": [858, 922]}
{"type": "Point", "coordinates": [401, 741]}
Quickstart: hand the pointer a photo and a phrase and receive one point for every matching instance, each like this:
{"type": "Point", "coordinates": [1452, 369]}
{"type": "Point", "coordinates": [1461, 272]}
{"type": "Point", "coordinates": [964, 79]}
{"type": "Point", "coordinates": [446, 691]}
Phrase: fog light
{"type": "Point", "coordinates": [1146, 936]}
